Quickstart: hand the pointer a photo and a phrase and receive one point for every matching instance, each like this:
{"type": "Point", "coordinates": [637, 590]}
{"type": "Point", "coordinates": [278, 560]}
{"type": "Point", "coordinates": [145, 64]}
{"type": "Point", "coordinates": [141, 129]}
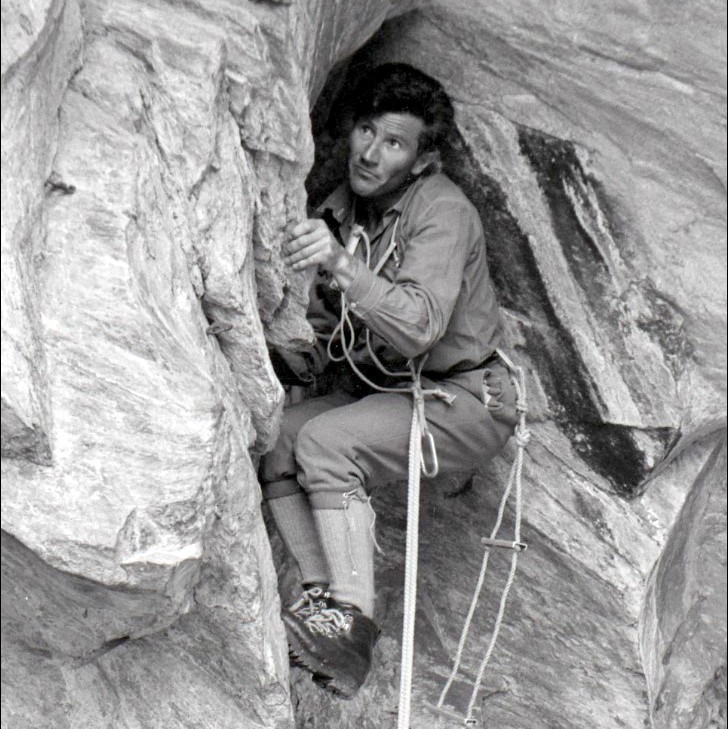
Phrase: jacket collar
{"type": "Point", "coordinates": [341, 201]}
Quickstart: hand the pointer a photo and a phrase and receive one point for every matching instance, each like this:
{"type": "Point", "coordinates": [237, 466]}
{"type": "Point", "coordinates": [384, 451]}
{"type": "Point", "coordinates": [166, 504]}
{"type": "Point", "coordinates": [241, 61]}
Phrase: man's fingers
{"type": "Point", "coordinates": [304, 240]}
{"type": "Point", "coordinates": [305, 260]}
{"type": "Point", "coordinates": [311, 244]}
{"type": "Point", "coordinates": [307, 226]}
{"type": "Point", "coordinates": [303, 244]}
{"type": "Point", "coordinates": [293, 231]}
{"type": "Point", "coordinates": [306, 251]}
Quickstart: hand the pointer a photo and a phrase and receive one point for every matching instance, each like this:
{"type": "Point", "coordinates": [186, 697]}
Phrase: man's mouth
{"type": "Point", "coordinates": [365, 173]}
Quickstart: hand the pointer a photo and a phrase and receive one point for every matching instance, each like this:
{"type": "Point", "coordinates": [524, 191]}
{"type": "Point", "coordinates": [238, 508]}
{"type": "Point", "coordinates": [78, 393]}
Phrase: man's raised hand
{"type": "Point", "coordinates": [311, 243]}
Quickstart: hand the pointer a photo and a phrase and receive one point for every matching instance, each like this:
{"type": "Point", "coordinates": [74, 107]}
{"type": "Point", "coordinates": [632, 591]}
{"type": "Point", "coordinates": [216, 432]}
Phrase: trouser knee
{"type": "Point", "coordinates": [330, 465]}
{"type": "Point", "coordinates": [279, 468]}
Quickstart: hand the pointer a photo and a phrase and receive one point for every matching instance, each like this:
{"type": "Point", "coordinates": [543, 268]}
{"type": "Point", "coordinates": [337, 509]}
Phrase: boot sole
{"type": "Point", "coordinates": [341, 686]}
{"type": "Point", "coordinates": [335, 681]}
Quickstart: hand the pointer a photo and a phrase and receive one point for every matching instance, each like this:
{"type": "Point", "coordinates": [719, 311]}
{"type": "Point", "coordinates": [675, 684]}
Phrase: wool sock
{"type": "Point", "coordinates": [348, 542]}
{"type": "Point", "coordinates": [294, 520]}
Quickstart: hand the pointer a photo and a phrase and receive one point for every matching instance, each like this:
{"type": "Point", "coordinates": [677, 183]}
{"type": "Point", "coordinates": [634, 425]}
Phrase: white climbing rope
{"type": "Point", "coordinates": [419, 432]}
{"type": "Point", "coordinates": [410, 573]}
{"type": "Point", "coordinates": [522, 435]}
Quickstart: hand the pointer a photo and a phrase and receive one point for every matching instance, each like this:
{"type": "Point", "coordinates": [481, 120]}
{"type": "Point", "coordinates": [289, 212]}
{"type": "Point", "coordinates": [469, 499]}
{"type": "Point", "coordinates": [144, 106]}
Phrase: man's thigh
{"type": "Point", "coordinates": [368, 440]}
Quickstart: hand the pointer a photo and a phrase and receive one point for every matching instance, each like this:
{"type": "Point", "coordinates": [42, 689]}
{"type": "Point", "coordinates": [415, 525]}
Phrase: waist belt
{"type": "Point", "coordinates": [489, 360]}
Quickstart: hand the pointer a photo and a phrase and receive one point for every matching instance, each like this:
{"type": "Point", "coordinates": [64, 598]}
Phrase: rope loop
{"type": "Point", "coordinates": [523, 436]}
{"type": "Point", "coordinates": [434, 469]}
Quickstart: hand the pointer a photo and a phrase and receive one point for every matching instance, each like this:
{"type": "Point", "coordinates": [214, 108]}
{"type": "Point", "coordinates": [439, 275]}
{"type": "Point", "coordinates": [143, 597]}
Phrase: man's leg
{"type": "Point", "coordinates": [337, 453]}
{"type": "Point", "coordinates": [347, 538]}
{"type": "Point", "coordinates": [367, 442]}
{"type": "Point", "coordinates": [288, 503]}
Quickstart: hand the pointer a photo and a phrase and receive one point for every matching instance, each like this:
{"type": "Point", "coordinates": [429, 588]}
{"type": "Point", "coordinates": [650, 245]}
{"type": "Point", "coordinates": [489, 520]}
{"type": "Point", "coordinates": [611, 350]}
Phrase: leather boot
{"type": "Point", "coordinates": [315, 597]}
{"type": "Point", "coordinates": [334, 642]}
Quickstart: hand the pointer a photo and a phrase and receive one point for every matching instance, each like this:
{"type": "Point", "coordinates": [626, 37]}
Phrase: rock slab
{"type": "Point", "coordinates": [153, 155]}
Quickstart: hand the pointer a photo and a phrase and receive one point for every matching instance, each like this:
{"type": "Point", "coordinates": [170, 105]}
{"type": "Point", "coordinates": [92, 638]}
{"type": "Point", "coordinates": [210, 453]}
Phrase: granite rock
{"type": "Point", "coordinates": [153, 156]}
{"type": "Point", "coordinates": [683, 634]}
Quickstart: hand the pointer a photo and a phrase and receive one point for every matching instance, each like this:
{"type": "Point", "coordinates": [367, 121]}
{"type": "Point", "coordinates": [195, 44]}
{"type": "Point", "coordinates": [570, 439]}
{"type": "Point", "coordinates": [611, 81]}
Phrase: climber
{"type": "Point", "coordinates": [402, 287]}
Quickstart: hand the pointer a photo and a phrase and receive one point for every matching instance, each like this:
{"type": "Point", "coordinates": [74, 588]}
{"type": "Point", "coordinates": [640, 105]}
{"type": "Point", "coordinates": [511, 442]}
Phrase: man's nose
{"type": "Point", "coordinates": [370, 153]}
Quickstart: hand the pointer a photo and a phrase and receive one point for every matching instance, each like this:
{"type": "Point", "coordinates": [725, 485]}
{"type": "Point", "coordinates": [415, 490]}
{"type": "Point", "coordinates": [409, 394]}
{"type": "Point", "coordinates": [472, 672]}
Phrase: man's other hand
{"type": "Point", "coordinates": [311, 243]}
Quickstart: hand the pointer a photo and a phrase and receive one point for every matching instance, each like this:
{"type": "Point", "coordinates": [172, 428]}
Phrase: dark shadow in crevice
{"type": "Point", "coordinates": [610, 449]}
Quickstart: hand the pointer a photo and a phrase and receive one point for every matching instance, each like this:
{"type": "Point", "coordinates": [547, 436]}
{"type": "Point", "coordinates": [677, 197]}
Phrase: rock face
{"type": "Point", "coordinates": [683, 636]}
{"type": "Point", "coordinates": [153, 155]}
{"type": "Point", "coordinates": [604, 210]}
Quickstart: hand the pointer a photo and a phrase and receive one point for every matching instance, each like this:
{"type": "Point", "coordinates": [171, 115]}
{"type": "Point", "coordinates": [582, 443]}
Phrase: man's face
{"type": "Point", "coordinates": [383, 153]}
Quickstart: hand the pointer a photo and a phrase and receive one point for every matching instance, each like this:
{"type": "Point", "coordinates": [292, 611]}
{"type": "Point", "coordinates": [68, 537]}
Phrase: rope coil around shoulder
{"type": "Point", "coordinates": [522, 435]}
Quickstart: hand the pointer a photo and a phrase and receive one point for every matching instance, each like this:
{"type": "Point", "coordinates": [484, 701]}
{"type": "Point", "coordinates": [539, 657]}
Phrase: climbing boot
{"type": "Point", "coordinates": [314, 598]}
{"type": "Point", "coordinates": [334, 642]}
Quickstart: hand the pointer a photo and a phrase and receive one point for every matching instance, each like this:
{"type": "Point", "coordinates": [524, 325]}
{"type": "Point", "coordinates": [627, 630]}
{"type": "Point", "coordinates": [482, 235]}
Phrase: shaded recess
{"type": "Point", "coordinates": [608, 448]}
{"type": "Point", "coordinates": [29, 443]}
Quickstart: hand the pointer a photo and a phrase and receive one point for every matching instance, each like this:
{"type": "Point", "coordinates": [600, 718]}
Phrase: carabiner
{"type": "Point", "coordinates": [430, 441]}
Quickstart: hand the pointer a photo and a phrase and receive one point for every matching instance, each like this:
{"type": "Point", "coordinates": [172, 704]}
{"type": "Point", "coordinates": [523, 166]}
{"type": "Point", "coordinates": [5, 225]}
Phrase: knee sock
{"type": "Point", "coordinates": [294, 520]}
{"type": "Point", "coordinates": [348, 542]}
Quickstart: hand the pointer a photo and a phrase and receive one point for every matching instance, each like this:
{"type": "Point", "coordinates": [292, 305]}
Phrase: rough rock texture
{"type": "Point", "coordinates": [592, 142]}
{"type": "Point", "coordinates": [153, 154]}
{"type": "Point", "coordinates": [683, 638]}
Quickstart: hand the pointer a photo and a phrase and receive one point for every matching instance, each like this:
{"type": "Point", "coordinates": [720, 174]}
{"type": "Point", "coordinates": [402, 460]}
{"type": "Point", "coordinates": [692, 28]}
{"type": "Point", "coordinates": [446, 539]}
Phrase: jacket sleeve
{"type": "Point", "coordinates": [412, 311]}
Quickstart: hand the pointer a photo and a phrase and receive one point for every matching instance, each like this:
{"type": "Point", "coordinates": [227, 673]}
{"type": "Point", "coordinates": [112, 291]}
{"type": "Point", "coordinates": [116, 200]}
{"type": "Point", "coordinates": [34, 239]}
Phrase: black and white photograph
{"type": "Point", "coordinates": [364, 364]}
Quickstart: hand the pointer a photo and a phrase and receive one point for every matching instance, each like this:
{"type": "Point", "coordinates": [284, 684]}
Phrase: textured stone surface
{"type": "Point", "coordinates": [153, 155]}
{"type": "Point", "coordinates": [684, 630]}
{"type": "Point", "coordinates": [41, 50]}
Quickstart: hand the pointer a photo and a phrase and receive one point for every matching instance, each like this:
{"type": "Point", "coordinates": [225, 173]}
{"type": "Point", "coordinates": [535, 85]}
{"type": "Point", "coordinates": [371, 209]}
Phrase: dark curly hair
{"type": "Point", "coordinates": [399, 88]}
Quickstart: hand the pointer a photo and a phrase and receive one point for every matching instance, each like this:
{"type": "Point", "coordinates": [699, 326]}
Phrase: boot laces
{"type": "Point", "coordinates": [329, 621]}
{"type": "Point", "coordinates": [310, 603]}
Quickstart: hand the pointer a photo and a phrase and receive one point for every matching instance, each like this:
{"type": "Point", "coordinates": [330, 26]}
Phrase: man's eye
{"type": "Point", "coordinates": [365, 129]}
{"type": "Point", "coordinates": [394, 143]}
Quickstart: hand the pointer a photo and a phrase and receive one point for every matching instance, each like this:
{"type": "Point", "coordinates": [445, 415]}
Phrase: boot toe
{"type": "Point", "coordinates": [340, 655]}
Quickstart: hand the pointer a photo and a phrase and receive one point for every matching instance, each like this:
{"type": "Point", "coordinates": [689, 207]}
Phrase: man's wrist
{"type": "Point", "coordinates": [343, 269]}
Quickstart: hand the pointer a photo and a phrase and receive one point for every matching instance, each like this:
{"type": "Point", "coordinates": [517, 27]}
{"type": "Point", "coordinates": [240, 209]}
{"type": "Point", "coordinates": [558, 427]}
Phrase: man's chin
{"type": "Point", "coordinates": [362, 188]}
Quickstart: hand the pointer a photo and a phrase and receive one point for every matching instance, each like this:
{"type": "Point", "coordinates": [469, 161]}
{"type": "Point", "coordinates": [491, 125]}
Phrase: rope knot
{"type": "Point", "coordinates": [523, 436]}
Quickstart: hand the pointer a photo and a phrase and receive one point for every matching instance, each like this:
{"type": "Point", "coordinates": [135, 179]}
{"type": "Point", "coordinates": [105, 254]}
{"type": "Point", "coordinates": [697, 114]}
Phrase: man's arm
{"type": "Point", "coordinates": [412, 312]}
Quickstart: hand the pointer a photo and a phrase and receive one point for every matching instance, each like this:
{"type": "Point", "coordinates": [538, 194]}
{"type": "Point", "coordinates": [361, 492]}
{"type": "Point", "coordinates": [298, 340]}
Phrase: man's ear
{"type": "Point", "coordinates": [427, 161]}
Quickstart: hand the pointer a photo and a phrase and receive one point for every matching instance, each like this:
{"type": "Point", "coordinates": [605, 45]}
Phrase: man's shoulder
{"type": "Point", "coordinates": [438, 188]}
{"type": "Point", "coordinates": [439, 201]}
